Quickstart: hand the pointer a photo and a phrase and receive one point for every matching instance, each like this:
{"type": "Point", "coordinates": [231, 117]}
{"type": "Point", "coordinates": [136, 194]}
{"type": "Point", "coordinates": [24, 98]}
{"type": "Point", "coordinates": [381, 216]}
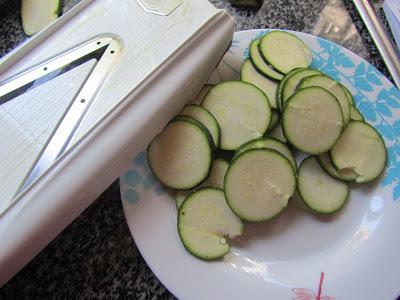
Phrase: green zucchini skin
{"type": "Point", "coordinates": [291, 84]}
{"type": "Point", "coordinates": [270, 157]}
{"type": "Point", "coordinates": [291, 48]}
{"type": "Point", "coordinates": [259, 63]}
{"type": "Point", "coordinates": [278, 95]}
{"type": "Point", "coordinates": [246, 112]}
{"type": "Point", "coordinates": [362, 178]}
{"type": "Point", "coordinates": [303, 130]}
{"type": "Point", "coordinates": [203, 116]}
{"type": "Point", "coordinates": [157, 169]}
{"type": "Point", "coordinates": [323, 178]}
{"type": "Point", "coordinates": [219, 212]}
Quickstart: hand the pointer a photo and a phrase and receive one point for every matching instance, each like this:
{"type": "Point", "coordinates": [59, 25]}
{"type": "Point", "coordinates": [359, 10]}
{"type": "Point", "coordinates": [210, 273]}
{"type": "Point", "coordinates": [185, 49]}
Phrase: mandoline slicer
{"type": "Point", "coordinates": [82, 97]}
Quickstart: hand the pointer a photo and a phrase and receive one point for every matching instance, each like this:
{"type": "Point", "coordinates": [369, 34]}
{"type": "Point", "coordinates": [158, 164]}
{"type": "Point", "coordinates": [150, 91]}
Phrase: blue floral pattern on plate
{"type": "Point", "coordinates": [376, 98]}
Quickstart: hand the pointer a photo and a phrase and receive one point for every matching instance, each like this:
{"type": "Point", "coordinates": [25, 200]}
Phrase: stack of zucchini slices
{"type": "Point", "coordinates": [229, 153]}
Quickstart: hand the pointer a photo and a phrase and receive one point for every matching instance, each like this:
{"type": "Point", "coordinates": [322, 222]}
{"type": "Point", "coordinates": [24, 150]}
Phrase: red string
{"type": "Point", "coordinates": [320, 286]}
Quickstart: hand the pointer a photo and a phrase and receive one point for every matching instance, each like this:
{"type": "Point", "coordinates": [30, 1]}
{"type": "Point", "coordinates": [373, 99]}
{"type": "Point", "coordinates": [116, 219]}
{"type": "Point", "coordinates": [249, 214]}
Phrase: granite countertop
{"type": "Point", "coordinates": [96, 257]}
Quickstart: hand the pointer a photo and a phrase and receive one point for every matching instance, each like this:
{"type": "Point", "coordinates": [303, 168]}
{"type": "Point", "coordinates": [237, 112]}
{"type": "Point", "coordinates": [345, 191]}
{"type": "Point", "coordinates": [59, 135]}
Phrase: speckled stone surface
{"type": "Point", "coordinates": [96, 257]}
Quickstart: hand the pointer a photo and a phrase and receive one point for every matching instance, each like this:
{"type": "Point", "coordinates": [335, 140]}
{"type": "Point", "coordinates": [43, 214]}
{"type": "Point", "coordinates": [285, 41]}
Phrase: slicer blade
{"type": "Point", "coordinates": [105, 50]}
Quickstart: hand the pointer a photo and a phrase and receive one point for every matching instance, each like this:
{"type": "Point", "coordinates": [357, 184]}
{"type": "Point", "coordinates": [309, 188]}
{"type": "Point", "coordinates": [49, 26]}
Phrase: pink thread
{"type": "Point", "coordinates": [305, 294]}
{"type": "Point", "coordinates": [320, 286]}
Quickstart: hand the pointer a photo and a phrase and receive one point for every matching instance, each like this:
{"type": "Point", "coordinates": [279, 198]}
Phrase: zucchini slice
{"type": "Point", "coordinates": [242, 111]}
{"type": "Point", "coordinates": [205, 129]}
{"type": "Point", "coordinates": [180, 156]}
{"type": "Point", "coordinates": [249, 74]}
{"type": "Point", "coordinates": [277, 133]}
{"type": "Point", "coordinates": [326, 163]}
{"type": "Point", "coordinates": [361, 149]}
{"type": "Point", "coordinates": [319, 191]}
{"type": "Point", "coordinates": [278, 95]}
{"type": "Point", "coordinates": [260, 64]}
{"type": "Point", "coordinates": [274, 119]}
{"type": "Point", "coordinates": [259, 184]}
{"type": "Point", "coordinates": [37, 14]}
{"type": "Point", "coordinates": [333, 87]}
{"type": "Point", "coordinates": [203, 92]}
{"type": "Point", "coordinates": [204, 117]}
{"type": "Point", "coordinates": [215, 180]}
{"type": "Point", "coordinates": [181, 196]}
{"type": "Point", "coordinates": [312, 120]}
{"type": "Point", "coordinates": [217, 174]}
{"type": "Point", "coordinates": [269, 143]}
{"type": "Point", "coordinates": [284, 51]}
{"type": "Point", "coordinates": [349, 95]}
{"type": "Point", "coordinates": [204, 219]}
{"type": "Point", "coordinates": [290, 85]}
{"type": "Point", "coordinates": [355, 114]}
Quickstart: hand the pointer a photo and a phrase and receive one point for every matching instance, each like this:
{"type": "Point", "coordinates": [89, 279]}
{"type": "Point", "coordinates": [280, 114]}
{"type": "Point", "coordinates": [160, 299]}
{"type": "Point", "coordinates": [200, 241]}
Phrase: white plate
{"type": "Point", "coordinates": [357, 251]}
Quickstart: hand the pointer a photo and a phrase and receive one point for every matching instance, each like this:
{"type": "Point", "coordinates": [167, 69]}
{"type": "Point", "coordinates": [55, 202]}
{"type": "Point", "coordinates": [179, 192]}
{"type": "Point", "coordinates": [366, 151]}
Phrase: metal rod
{"type": "Point", "coordinates": [379, 35]}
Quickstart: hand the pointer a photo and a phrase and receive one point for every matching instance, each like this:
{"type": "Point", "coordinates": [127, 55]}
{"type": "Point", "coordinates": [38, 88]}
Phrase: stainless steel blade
{"type": "Point", "coordinates": [106, 50]}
